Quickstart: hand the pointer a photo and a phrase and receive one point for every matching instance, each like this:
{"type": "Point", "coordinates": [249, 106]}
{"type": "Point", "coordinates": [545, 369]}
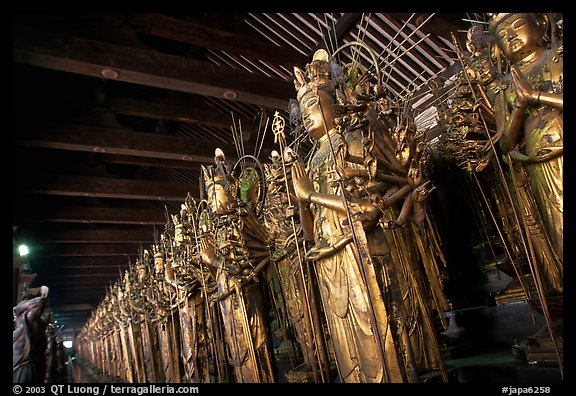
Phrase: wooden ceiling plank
{"type": "Point", "coordinates": [91, 250]}
{"type": "Point", "coordinates": [82, 262]}
{"type": "Point", "coordinates": [105, 187]}
{"type": "Point", "coordinates": [176, 108]}
{"type": "Point", "coordinates": [210, 37]}
{"type": "Point", "coordinates": [119, 141]}
{"type": "Point", "coordinates": [147, 161]}
{"type": "Point", "coordinates": [72, 54]}
{"type": "Point", "coordinates": [98, 215]}
{"type": "Point", "coordinates": [93, 236]}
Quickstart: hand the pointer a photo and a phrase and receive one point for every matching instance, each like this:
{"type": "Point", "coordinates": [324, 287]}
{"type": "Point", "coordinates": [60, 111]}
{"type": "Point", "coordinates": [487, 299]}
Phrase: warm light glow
{"type": "Point", "coordinates": [68, 344]}
{"type": "Point", "coordinates": [23, 250]}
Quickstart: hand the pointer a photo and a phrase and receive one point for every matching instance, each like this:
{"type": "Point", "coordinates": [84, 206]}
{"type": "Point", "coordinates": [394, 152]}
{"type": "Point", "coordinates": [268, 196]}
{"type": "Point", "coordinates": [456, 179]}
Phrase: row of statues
{"type": "Point", "coordinates": [334, 251]}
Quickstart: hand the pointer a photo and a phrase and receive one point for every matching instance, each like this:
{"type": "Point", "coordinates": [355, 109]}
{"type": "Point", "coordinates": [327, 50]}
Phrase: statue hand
{"type": "Point", "coordinates": [414, 175]}
{"type": "Point", "coordinates": [482, 164]}
{"type": "Point", "coordinates": [393, 224]}
{"type": "Point", "coordinates": [524, 90]}
{"type": "Point", "coordinates": [343, 173]}
{"type": "Point", "coordinates": [422, 192]}
{"type": "Point", "coordinates": [206, 251]}
{"type": "Point", "coordinates": [303, 186]}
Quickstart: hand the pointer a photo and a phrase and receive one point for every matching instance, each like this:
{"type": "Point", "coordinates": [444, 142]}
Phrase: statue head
{"type": "Point", "coordinates": [220, 189]}
{"type": "Point", "coordinates": [158, 260]}
{"type": "Point", "coordinates": [141, 270]}
{"type": "Point", "coordinates": [315, 94]}
{"type": "Point", "coordinates": [518, 34]}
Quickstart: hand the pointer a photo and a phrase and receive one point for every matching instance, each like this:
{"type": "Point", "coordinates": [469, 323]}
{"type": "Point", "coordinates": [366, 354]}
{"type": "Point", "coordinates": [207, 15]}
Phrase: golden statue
{"type": "Point", "coordinates": [530, 119]}
{"type": "Point", "coordinates": [373, 297]}
{"type": "Point", "coordinates": [163, 300]}
{"type": "Point", "coordinates": [129, 319]}
{"type": "Point", "coordinates": [145, 314]}
{"type": "Point", "coordinates": [281, 217]}
{"type": "Point", "coordinates": [182, 274]}
{"type": "Point", "coordinates": [236, 250]}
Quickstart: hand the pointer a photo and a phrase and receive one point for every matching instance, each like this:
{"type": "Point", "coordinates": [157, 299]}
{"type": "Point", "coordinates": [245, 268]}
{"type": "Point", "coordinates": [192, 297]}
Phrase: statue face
{"type": "Point", "coordinates": [217, 198]}
{"type": "Point", "coordinates": [519, 35]}
{"type": "Point", "coordinates": [141, 271]}
{"type": "Point", "coordinates": [158, 264]}
{"type": "Point", "coordinates": [312, 103]}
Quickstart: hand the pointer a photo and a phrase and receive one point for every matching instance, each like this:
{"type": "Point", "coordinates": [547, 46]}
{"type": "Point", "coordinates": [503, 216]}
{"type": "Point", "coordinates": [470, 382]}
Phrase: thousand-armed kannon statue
{"type": "Point", "coordinates": [325, 262]}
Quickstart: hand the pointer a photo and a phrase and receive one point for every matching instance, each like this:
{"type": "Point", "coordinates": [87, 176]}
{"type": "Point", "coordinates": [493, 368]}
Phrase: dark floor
{"type": "Point", "coordinates": [488, 344]}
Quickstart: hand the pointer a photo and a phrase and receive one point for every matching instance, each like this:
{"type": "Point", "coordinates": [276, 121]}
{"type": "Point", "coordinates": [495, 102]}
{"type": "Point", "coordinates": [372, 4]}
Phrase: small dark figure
{"type": "Point", "coordinates": [29, 340]}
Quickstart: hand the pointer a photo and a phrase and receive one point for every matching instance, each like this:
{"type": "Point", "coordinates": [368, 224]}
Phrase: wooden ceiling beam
{"type": "Point", "coordinates": [148, 161]}
{"type": "Point", "coordinates": [209, 37]}
{"type": "Point", "coordinates": [101, 235]}
{"type": "Point", "coordinates": [180, 108]}
{"type": "Point", "coordinates": [72, 54]}
{"type": "Point", "coordinates": [81, 262]}
{"type": "Point", "coordinates": [89, 277]}
{"type": "Point", "coordinates": [96, 215]}
{"type": "Point", "coordinates": [90, 249]}
{"type": "Point", "coordinates": [113, 272]}
{"type": "Point", "coordinates": [120, 141]}
{"type": "Point", "coordinates": [105, 187]}
{"type": "Point", "coordinates": [80, 287]}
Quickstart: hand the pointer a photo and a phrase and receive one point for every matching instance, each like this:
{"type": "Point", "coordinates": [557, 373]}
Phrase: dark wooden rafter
{"type": "Point", "coordinates": [95, 215]}
{"type": "Point", "coordinates": [100, 235]}
{"type": "Point", "coordinates": [85, 262]}
{"type": "Point", "coordinates": [84, 275]}
{"type": "Point", "coordinates": [120, 141]}
{"type": "Point", "coordinates": [177, 107]}
{"type": "Point", "coordinates": [94, 58]}
{"type": "Point", "coordinates": [147, 161]}
{"type": "Point", "coordinates": [414, 58]}
{"type": "Point", "coordinates": [109, 28]}
{"type": "Point", "coordinates": [105, 187]}
{"type": "Point", "coordinates": [89, 249]}
{"type": "Point", "coordinates": [209, 37]}
{"type": "Point", "coordinates": [82, 279]}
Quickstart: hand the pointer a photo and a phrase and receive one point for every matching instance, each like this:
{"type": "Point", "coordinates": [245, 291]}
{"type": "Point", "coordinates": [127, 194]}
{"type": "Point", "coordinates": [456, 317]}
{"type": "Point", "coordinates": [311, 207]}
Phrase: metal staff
{"type": "Point", "coordinates": [217, 359]}
{"type": "Point", "coordinates": [279, 136]}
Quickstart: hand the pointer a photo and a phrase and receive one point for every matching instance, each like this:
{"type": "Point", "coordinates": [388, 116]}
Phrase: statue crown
{"type": "Point", "coordinates": [496, 18]}
{"type": "Point", "coordinates": [317, 76]}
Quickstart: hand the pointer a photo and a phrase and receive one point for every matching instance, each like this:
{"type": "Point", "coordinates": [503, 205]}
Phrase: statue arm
{"type": "Point", "coordinates": [305, 192]}
{"type": "Point", "coordinates": [551, 99]}
{"type": "Point", "coordinates": [513, 128]}
{"type": "Point", "coordinates": [306, 220]}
